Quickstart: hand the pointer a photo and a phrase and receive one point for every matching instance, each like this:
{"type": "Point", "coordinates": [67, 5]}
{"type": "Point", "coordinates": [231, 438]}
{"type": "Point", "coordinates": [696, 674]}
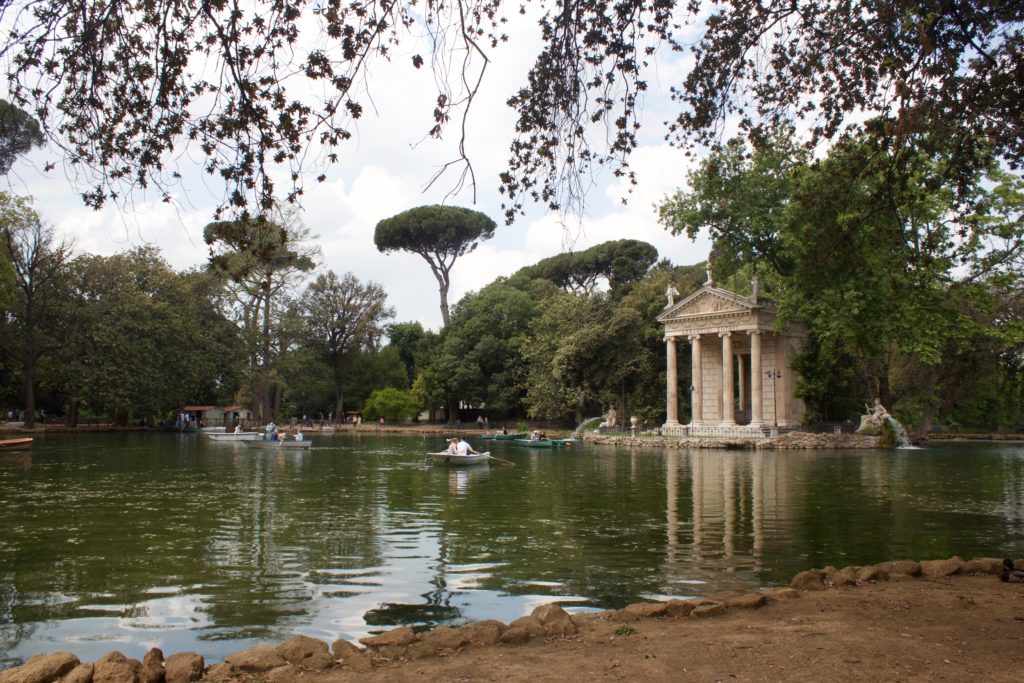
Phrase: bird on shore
{"type": "Point", "coordinates": [1008, 573]}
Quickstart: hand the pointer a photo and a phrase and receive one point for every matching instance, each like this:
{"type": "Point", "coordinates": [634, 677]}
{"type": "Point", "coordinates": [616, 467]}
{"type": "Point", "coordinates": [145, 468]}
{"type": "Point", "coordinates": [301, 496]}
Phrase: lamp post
{"type": "Point", "coordinates": [774, 375]}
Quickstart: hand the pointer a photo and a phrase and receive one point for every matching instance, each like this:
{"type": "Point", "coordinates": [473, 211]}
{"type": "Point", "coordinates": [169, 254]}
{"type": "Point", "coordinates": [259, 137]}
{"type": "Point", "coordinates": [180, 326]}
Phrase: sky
{"type": "Point", "coordinates": [384, 170]}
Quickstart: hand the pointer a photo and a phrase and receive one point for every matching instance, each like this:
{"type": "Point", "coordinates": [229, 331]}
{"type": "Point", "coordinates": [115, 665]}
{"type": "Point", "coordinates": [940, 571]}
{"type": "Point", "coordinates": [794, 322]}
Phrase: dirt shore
{"type": "Point", "coordinates": [839, 627]}
{"type": "Point", "coordinates": [955, 629]}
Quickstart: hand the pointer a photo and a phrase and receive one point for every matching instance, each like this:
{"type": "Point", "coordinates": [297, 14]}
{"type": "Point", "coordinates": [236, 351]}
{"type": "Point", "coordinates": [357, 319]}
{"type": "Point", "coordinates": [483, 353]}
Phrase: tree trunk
{"type": "Point", "coordinates": [927, 419]}
{"type": "Point", "coordinates": [445, 318]}
{"type": "Point", "coordinates": [71, 417]}
{"type": "Point", "coordinates": [884, 390]}
{"type": "Point", "coordinates": [29, 365]}
{"type": "Point", "coordinates": [30, 394]}
{"type": "Point", "coordinates": [278, 394]}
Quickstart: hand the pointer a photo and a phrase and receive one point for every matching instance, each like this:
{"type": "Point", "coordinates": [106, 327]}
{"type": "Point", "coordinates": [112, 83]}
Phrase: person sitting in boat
{"type": "Point", "coordinates": [504, 430]}
{"type": "Point", "coordinates": [463, 448]}
{"type": "Point", "coordinates": [534, 435]}
{"type": "Point", "coordinates": [299, 436]}
{"type": "Point", "coordinates": [238, 428]}
{"type": "Point", "coordinates": [453, 446]}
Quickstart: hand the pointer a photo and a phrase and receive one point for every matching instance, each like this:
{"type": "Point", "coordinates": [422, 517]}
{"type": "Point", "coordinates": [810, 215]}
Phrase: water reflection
{"type": "Point", "coordinates": [134, 541]}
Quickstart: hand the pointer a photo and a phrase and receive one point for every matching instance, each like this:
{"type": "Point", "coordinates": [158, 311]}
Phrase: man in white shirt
{"type": "Point", "coordinates": [463, 448]}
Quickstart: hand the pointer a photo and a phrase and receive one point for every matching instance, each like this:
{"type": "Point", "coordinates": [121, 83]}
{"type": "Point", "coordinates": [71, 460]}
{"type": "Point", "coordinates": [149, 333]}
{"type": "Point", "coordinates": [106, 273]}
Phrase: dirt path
{"type": "Point", "coordinates": [957, 629]}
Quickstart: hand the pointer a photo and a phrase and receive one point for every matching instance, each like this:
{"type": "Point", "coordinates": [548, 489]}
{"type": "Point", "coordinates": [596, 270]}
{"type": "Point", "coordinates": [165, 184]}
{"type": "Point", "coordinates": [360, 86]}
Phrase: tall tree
{"type": "Point", "coordinates": [342, 317]}
{"type": "Point", "coordinates": [38, 257]}
{"type": "Point", "coordinates": [260, 258]}
{"type": "Point", "coordinates": [440, 235]}
{"type": "Point", "coordinates": [738, 194]}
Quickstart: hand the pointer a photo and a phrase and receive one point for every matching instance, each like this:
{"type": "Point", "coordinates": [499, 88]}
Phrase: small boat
{"type": "Point", "coordinates": [279, 445]}
{"type": "Point", "coordinates": [542, 443]}
{"type": "Point", "coordinates": [502, 437]}
{"type": "Point", "coordinates": [15, 444]}
{"type": "Point", "coordinates": [244, 436]}
{"type": "Point", "coordinates": [446, 458]}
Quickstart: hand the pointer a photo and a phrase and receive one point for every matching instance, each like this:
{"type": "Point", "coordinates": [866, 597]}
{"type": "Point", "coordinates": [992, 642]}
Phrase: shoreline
{"type": "Point", "coordinates": [795, 440]}
{"type": "Point", "coordinates": [900, 620]}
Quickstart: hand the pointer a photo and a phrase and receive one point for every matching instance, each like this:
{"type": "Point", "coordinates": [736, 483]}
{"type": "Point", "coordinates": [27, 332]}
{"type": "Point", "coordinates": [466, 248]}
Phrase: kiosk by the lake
{"type": "Point", "coordinates": [742, 384]}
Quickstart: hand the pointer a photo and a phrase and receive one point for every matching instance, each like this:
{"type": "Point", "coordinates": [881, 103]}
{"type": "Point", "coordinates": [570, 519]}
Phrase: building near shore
{"type": "Point", "coordinates": [741, 381]}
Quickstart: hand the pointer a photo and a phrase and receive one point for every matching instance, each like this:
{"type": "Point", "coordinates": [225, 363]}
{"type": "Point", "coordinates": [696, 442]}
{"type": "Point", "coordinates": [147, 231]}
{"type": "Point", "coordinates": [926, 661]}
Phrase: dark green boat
{"type": "Point", "coordinates": [543, 443]}
{"type": "Point", "coordinates": [503, 437]}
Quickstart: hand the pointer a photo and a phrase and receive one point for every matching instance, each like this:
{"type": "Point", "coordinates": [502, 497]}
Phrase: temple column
{"type": "Point", "coordinates": [741, 382]}
{"type": "Point", "coordinates": [728, 393]}
{"type": "Point", "coordinates": [673, 382]}
{"type": "Point", "coordinates": [756, 418]}
{"type": "Point", "coordinates": [697, 379]}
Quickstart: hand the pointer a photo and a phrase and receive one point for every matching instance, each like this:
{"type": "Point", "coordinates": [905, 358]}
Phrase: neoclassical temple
{"type": "Point", "coordinates": [742, 384]}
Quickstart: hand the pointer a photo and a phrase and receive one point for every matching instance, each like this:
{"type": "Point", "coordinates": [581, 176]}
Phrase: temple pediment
{"type": "Point", "coordinates": [709, 301]}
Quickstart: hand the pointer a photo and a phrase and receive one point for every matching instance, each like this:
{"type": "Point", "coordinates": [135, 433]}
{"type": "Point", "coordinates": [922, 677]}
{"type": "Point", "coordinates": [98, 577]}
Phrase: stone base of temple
{"type": "Point", "coordinates": [730, 431]}
{"type": "Point", "coordinates": [726, 431]}
{"type": "Point", "coordinates": [674, 429]}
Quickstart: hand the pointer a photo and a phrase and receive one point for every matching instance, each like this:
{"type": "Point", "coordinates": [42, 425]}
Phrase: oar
{"type": "Point", "coordinates": [507, 462]}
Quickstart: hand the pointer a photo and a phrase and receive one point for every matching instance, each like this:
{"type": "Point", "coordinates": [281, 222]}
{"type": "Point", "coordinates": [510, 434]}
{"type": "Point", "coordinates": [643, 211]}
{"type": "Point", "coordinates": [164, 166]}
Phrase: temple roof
{"type": "Point", "coordinates": [713, 301]}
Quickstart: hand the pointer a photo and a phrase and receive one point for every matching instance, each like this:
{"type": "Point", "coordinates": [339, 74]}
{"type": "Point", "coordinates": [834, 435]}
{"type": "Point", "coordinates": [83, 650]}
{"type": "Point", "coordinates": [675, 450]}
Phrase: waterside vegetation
{"type": "Point", "coordinates": [908, 276]}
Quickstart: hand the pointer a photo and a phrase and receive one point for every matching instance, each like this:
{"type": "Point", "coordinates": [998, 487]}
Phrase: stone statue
{"type": "Point", "coordinates": [671, 293]}
{"type": "Point", "coordinates": [878, 422]}
{"type": "Point", "coordinates": [611, 418]}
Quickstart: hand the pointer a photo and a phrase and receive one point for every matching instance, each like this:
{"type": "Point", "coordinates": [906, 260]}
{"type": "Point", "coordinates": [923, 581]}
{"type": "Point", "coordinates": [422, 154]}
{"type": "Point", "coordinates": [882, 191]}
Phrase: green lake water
{"type": "Point", "coordinates": [131, 541]}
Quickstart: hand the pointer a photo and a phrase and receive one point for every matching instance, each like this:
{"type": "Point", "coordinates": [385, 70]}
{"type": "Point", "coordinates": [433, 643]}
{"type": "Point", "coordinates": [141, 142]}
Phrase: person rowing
{"type": "Point", "coordinates": [463, 448]}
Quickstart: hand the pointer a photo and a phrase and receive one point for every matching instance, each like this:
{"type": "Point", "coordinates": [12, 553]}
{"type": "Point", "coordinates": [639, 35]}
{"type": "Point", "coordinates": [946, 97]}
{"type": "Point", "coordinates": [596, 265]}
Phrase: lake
{"type": "Point", "coordinates": [132, 541]}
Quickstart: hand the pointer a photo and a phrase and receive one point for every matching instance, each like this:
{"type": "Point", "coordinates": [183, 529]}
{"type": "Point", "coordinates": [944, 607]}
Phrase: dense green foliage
{"type": "Point", "coordinates": [393, 405]}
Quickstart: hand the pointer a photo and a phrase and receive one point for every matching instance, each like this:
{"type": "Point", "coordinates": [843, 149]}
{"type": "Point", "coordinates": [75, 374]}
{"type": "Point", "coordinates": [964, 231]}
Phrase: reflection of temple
{"type": "Point", "coordinates": [741, 379]}
{"type": "Point", "coordinates": [737, 503]}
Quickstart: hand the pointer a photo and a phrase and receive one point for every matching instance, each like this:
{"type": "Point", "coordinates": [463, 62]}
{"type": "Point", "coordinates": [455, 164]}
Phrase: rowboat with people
{"type": "Point", "coordinates": [446, 458]}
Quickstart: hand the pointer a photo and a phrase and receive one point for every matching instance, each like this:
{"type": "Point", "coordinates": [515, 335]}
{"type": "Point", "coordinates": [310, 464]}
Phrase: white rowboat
{"type": "Point", "coordinates": [446, 458]}
{"type": "Point", "coordinates": [244, 436]}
